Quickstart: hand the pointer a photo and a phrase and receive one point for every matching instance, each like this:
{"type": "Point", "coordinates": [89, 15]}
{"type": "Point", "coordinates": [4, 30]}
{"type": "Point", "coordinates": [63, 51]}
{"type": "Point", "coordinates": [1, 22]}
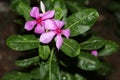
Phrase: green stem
{"type": "Point", "coordinates": [50, 61]}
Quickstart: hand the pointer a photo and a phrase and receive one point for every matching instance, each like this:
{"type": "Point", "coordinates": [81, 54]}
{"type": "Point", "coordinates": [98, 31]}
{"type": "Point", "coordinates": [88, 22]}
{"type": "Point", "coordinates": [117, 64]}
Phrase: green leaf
{"type": "Point", "coordinates": [70, 47]}
{"type": "Point", "coordinates": [17, 76]}
{"type": "Point", "coordinates": [68, 76]}
{"type": "Point", "coordinates": [110, 47]}
{"type": "Point", "coordinates": [79, 77]}
{"type": "Point", "coordinates": [27, 62]}
{"type": "Point", "coordinates": [22, 43]}
{"type": "Point", "coordinates": [58, 13]}
{"type": "Point", "coordinates": [61, 4]}
{"type": "Point", "coordinates": [44, 51]}
{"type": "Point", "coordinates": [35, 73]}
{"type": "Point", "coordinates": [81, 21]}
{"type": "Point", "coordinates": [88, 62]}
{"type": "Point", "coordinates": [57, 4]}
{"type": "Point", "coordinates": [22, 7]}
{"type": "Point", "coordinates": [93, 43]}
{"type": "Point", "coordinates": [14, 3]}
{"type": "Point", "coordinates": [104, 69]}
{"type": "Point", "coordinates": [50, 70]}
{"type": "Point", "coordinates": [24, 10]}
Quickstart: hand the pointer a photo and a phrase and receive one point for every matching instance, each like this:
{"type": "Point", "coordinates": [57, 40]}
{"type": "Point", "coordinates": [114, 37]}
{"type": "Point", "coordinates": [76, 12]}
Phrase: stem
{"type": "Point", "coordinates": [50, 61]}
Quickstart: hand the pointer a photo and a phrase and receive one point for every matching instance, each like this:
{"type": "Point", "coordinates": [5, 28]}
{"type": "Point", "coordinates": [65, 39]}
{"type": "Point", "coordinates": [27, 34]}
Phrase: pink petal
{"type": "Point", "coordinates": [39, 29]}
{"type": "Point", "coordinates": [48, 15]}
{"type": "Point", "coordinates": [29, 25]}
{"type": "Point", "coordinates": [50, 24]}
{"type": "Point", "coordinates": [41, 14]}
{"type": "Point", "coordinates": [47, 37]}
{"type": "Point", "coordinates": [94, 52]}
{"type": "Point", "coordinates": [59, 41]}
{"type": "Point", "coordinates": [66, 33]}
{"type": "Point", "coordinates": [35, 12]}
{"type": "Point", "coordinates": [59, 23]}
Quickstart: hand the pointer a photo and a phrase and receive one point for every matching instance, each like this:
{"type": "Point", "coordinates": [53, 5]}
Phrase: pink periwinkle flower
{"type": "Point", "coordinates": [94, 53]}
{"type": "Point", "coordinates": [40, 19]}
{"type": "Point", "coordinates": [54, 28]}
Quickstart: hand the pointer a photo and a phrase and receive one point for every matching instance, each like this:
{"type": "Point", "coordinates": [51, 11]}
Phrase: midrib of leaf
{"type": "Point", "coordinates": [92, 41]}
{"type": "Point", "coordinates": [69, 46]}
{"type": "Point", "coordinates": [74, 24]}
{"type": "Point", "coordinates": [86, 59]}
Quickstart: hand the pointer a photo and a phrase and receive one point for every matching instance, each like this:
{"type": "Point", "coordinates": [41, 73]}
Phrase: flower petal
{"type": "Point", "coordinates": [29, 25]}
{"type": "Point", "coordinates": [59, 23]}
{"type": "Point", "coordinates": [66, 33]}
{"type": "Point", "coordinates": [39, 29]}
{"type": "Point", "coordinates": [47, 37]}
{"type": "Point", "coordinates": [48, 14]}
{"type": "Point", "coordinates": [42, 6]}
{"type": "Point", "coordinates": [94, 53]}
{"type": "Point", "coordinates": [59, 41]}
{"type": "Point", "coordinates": [35, 12]}
{"type": "Point", "coordinates": [50, 24]}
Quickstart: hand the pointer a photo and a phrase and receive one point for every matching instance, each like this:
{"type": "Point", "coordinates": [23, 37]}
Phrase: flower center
{"type": "Point", "coordinates": [58, 31]}
{"type": "Point", "coordinates": [39, 20]}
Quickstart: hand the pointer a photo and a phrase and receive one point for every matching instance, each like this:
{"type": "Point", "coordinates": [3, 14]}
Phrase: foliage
{"type": "Point", "coordinates": [47, 64]}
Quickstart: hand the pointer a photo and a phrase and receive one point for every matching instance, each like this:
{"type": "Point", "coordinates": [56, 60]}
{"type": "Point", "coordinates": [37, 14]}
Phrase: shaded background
{"type": "Point", "coordinates": [107, 27]}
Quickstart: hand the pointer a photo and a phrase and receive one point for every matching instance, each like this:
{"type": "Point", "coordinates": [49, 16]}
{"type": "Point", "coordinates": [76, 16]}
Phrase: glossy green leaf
{"type": "Point", "coordinates": [110, 47]}
{"type": "Point", "coordinates": [57, 4]}
{"type": "Point", "coordinates": [68, 76]}
{"type": "Point", "coordinates": [61, 4]}
{"type": "Point", "coordinates": [58, 13]}
{"type": "Point", "coordinates": [79, 77]}
{"type": "Point", "coordinates": [22, 7]}
{"type": "Point", "coordinates": [22, 43]}
{"type": "Point", "coordinates": [27, 62]}
{"type": "Point", "coordinates": [35, 73]}
{"type": "Point", "coordinates": [50, 70]}
{"type": "Point", "coordinates": [88, 62]}
{"type": "Point", "coordinates": [81, 21]}
{"type": "Point", "coordinates": [70, 47]}
{"type": "Point", "coordinates": [93, 43]}
{"type": "Point", "coordinates": [24, 10]}
{"type": "Point", "coordinates": [104, 69]}
{"type": "Point", "coordinates": [44, 51]}
{"type": "Point", "coordinates": [17, 76]}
